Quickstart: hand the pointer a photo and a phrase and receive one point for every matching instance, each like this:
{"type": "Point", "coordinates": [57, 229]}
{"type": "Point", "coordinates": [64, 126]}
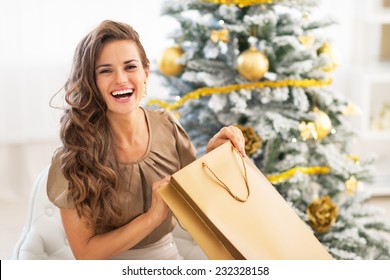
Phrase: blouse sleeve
{"type": "Point", "coordinates": [57, 185]}
{"type": "Point", "coordinates": [185, 148]}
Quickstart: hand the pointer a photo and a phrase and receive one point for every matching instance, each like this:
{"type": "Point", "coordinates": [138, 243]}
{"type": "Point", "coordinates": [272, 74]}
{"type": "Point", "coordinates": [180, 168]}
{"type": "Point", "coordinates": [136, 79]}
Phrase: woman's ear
{"type": "Point", "coordinates": [147, 71]}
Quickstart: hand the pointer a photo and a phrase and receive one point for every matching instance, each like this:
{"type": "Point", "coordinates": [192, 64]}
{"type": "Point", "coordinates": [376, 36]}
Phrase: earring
{"type": "Point", "coordinates": [146, 91]}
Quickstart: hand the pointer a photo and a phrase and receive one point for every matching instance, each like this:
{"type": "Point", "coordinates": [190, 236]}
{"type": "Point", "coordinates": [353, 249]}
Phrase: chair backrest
{"type": "Point", "coordinates": [43, 235]}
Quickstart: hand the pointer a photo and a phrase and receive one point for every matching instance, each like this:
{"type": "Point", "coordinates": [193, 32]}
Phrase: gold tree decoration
{"type": "Point", "coordinates": [322, 214]}
{"type": "Point", "coordinates": [252, 140]}
{"type": "Point", "coordinates": [168, 62]}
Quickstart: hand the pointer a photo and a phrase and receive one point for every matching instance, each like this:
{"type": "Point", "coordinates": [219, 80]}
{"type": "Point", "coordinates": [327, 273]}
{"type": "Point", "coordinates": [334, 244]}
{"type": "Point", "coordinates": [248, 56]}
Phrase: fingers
{"type": "Point", "coordinates": [232, 133]}
{"type": "Point", "coordinates": [158, 208]}
{"type": "Point", "coordinates": [159, 184]}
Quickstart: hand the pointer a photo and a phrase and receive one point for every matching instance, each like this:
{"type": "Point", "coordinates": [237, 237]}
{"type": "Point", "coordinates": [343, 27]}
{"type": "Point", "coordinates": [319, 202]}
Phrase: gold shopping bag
{"type": "Point", "coordinates": [233, 212]}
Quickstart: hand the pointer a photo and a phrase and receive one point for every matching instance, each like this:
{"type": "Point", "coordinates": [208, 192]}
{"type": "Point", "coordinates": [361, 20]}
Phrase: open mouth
{"type": "Point", "coordinates": [122, 94]}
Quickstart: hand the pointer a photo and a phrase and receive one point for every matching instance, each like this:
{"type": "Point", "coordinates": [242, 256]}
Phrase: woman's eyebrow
{"type": "Point", "coordinates": [108, 65]}
{"type": "Point", "coordinates": [102, 65]}
{"type": "Point", "coordinates": [129, 61]}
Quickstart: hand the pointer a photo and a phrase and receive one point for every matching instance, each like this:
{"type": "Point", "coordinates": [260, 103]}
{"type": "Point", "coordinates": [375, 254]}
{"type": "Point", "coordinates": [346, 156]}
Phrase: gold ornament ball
{"type": "Point", "coordinates": [252, 64]}
{"type": "Point", "coordinates": [323, 124]}
{"type": "Point", "coordinates": [167, 63]}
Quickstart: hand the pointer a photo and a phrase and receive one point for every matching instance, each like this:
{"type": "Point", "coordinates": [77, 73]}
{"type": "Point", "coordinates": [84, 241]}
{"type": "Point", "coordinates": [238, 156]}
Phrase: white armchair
{"type": "Point", "coordinates": [43, 235]}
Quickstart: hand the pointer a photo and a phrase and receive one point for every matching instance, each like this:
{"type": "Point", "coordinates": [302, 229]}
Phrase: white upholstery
{"type": "Point", "coordinates": [43, 236]}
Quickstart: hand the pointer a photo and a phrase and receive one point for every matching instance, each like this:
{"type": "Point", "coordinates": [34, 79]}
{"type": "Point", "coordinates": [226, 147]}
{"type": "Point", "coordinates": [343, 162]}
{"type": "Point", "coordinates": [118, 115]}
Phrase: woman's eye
{"type": "Point", "coordinates": [129, 67]}
{"type": "Point", "coordinates": [103, 71]}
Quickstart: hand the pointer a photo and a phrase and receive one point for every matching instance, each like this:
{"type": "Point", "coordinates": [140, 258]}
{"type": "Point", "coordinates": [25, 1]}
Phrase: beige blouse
{"type": "Point", "coordinates": [169, 149]}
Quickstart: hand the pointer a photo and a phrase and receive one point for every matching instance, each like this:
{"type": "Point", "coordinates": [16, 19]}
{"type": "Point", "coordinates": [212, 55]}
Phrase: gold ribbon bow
{"type": "Point", "coordinates": [220, 35]}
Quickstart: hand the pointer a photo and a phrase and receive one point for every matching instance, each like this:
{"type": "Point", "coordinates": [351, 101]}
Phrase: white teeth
{"type": "Point", "coordinates": [120, 92]}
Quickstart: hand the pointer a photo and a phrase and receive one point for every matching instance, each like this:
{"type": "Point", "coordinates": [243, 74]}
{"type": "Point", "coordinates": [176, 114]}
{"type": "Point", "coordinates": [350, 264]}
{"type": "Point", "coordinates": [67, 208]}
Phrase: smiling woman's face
{"type": "Point", "coordinates": [120, 76]}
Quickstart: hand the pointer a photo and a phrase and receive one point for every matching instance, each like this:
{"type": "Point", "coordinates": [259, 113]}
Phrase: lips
{"type": "Point", "coordinates": [122, 94]}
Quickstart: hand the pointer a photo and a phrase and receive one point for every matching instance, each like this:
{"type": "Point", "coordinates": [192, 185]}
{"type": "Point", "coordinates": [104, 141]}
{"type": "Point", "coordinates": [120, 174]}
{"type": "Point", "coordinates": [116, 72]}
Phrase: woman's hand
{"type": "Point", "coordinates": [158, 210]}
{"type": "Point", "coordinates": [232, 133]}
{"type": "Point", "coordinates": [86, 244]}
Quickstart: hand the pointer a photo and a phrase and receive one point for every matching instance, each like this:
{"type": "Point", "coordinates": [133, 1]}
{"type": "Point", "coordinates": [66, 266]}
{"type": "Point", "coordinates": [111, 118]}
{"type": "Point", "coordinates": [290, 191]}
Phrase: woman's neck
{"type": "Point", "coordinates": [126, 126]}
{"type": "Point", "coordinates": [131, 134]}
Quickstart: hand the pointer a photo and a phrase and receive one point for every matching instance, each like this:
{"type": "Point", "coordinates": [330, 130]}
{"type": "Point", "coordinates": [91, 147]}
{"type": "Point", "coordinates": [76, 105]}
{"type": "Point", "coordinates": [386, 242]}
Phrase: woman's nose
{"type": "Point", "coordinates": [121, 76]}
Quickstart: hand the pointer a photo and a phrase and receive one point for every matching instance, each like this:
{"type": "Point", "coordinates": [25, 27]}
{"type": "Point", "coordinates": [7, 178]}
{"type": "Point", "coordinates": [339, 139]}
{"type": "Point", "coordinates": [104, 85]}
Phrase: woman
{"type": "Point", "coordinates": [115, 154]}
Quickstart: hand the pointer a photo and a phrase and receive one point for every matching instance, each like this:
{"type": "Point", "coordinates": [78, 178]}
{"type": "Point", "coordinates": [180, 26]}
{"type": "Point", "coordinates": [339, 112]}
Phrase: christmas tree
{"type": "Point", "coordinates": [265, 66]}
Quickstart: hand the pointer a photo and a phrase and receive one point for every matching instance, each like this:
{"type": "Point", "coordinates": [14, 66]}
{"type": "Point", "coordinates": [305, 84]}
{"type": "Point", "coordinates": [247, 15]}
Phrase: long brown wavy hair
{"type": "Point", "coordinates": [88, 155]}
